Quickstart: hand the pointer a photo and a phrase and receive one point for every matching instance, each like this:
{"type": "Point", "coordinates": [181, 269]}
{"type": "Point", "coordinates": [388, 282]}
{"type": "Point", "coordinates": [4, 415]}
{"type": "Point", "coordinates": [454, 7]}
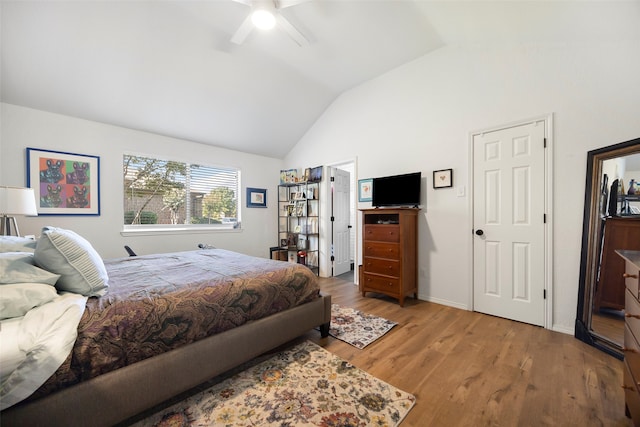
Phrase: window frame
{"type": "Point", "coordinates": [156, 229]}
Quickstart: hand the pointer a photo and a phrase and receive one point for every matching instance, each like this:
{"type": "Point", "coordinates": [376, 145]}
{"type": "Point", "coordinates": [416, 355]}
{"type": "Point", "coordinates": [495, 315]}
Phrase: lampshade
{"type": "Point", "coordinates": [17, 201]}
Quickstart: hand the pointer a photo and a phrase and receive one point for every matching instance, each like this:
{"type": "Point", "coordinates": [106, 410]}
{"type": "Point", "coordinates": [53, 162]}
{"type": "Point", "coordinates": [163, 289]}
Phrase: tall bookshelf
{"type": "Point", "coordinates": [298, 223]}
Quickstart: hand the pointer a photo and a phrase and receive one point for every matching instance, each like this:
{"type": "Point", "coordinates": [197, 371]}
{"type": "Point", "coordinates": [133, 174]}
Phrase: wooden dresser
{"type": "Point", "coordinates": [631, 348]}
{"type": "Point", "coordinates": [390, 252]}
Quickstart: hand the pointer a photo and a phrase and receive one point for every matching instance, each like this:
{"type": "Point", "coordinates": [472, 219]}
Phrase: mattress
{"type": "Point", "coordinates": [157, 303]}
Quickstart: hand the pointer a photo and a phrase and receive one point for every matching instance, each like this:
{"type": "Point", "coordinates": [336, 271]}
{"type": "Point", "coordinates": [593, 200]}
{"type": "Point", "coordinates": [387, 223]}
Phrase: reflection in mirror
{"type": "Point", "coordinates": [611, 222]}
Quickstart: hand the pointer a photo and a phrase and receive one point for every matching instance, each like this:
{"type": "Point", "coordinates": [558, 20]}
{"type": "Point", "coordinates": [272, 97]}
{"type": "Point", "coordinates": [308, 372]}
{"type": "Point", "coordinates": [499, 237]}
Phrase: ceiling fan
{"type": "Point", "coordinates": [265, 15]}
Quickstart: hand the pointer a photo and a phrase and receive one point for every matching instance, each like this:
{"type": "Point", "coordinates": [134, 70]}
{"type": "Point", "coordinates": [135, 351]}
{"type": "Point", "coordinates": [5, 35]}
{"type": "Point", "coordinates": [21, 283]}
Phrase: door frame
{"type": "Point", "coordinates": [326, 217]}
{"type": "Point", "coordinates": [547, 119]}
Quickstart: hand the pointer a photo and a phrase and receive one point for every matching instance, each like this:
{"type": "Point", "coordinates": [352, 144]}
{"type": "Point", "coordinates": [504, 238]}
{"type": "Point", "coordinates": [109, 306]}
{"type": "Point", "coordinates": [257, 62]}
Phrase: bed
{"type": "Point", "coordinates": [230, 322]}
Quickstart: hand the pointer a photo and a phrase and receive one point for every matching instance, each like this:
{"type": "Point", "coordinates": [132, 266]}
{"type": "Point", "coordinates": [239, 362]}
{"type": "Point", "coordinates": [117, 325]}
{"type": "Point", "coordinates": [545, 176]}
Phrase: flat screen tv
{"type": "Point", "coordinates": [396, 190]}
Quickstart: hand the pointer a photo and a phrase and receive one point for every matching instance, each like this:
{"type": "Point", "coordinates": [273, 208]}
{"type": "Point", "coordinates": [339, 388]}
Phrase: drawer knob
{"type": "Point", "coordinates": [627, 387]}
{"type": "Point", "coordinates": [630, 276]}
{"type": "Point", "coordinates": [635, 316]}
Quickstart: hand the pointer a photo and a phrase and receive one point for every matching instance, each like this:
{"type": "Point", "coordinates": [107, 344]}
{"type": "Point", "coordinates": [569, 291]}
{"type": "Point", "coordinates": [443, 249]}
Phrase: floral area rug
{"type": "Point", "coordinates": [302, 386]}
{"type": "Point", "coordinates": [357, 328]}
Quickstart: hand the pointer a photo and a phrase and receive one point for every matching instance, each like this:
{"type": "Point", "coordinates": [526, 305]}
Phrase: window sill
{"type": "Point", "coordinates": [176, 230]}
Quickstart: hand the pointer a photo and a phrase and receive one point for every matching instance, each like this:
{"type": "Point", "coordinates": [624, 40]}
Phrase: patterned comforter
{"type": "Point", "coordinates": [157, 303]}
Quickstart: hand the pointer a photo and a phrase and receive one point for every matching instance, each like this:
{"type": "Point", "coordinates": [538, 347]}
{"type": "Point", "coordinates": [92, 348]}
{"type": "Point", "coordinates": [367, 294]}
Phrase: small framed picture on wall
{"type": "Point", "coordinates": [256, 198]}
{"type": "Point", "coordinates": [365, 190]}
{"type": "Point", "coordinates": [443, 178]}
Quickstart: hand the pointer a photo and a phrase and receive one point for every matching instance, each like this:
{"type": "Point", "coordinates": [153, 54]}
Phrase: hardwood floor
{"type": "Point", "coordinates": [609, 325]}
{"type": "Point", "coordinates": [470, 369]}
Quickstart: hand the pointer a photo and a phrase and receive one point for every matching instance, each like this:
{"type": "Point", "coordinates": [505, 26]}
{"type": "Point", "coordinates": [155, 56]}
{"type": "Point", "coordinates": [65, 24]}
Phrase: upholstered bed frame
{"type": "Point", "coordinates": [116, 396]}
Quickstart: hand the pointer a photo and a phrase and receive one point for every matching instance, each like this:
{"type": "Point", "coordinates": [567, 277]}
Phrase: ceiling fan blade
{"type": "Point", "coordinates": [292, 31]}
{"type": "Point", "coordinates": [281, 4]}
{"type": "Point", "coordinates": [245, 2]}
{"type": "Point", "coordinates": [243, 31]}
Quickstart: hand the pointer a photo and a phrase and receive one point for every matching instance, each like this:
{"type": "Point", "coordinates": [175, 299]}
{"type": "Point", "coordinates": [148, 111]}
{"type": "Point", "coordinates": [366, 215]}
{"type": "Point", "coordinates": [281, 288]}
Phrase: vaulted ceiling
{"type": "Point", "coordinates": [169, 67]}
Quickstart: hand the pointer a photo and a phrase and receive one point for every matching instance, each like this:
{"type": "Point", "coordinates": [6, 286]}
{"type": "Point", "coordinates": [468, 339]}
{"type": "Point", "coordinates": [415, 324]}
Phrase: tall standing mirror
{"type": "Point", "coordinates": [611, 221]}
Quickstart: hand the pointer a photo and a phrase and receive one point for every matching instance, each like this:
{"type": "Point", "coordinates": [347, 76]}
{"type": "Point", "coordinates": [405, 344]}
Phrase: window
{"type": "Point", "coordinates": [167, 194]}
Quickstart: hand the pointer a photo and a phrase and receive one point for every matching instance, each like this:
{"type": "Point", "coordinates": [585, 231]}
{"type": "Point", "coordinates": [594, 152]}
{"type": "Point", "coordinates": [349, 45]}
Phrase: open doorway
{"type": "Point", "coordinates": [342, 220]}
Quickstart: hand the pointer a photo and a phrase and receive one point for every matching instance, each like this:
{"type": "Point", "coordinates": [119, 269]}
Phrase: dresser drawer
{"type": "Point", "coordinates": [382, 232]}
{"type": "Point", "coordinates": [381, 250]}
{"type": "Point", "coordinates": [383, 284]}
{"type": "Point", "coordinates": [631, 395]}
{"type": "Point", "coordinates": [632, 279]}
{"type": "Point", "coordinates": [632, 313]}
{"type": "Point", "coordinates": [387, 267]}
{"type": "Point", "coordinates": [631, 352]}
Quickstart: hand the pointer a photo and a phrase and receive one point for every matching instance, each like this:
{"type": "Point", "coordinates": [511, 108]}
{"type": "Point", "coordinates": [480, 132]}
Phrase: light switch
{"type": "Point", "coordinates": [461, 191]}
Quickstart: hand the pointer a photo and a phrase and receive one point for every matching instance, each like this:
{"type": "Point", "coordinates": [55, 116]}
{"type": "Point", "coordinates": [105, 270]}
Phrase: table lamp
{"type": "Point", "coordinates": [15, 201]}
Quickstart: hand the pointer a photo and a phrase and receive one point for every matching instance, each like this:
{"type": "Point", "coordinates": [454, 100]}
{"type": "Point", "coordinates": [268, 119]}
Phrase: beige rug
{"type": "Point", "coordinates": [302, 386]}
{"type": "Point", "coordinates": [356, 327]}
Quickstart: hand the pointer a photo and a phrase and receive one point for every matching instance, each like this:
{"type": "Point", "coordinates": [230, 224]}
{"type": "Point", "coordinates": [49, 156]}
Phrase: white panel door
{"type": "Point", "coordinates": [508, 217]}
{"type": "Point", "coordinates": [341, 214]}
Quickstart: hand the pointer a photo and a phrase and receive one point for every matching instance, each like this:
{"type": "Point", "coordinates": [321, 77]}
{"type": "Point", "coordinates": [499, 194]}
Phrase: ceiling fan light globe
{"type": "Point", "coordinates": [263, 19]}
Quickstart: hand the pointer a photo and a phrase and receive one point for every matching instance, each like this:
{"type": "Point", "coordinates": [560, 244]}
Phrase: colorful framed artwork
{"type": "Point", "coordinates": [256, 198]}
{"type": "Point", "coordinates": [64, 183]}
{"type": "Point", "coordinates": [443, 178]}
{"type": "Point", "coordinates": [365, 190]}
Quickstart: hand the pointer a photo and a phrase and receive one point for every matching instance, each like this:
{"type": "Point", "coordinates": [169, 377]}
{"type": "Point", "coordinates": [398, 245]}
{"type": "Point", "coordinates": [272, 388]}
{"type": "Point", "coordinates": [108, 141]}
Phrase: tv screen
{"type": "Point", "coordinates": [397, 190]}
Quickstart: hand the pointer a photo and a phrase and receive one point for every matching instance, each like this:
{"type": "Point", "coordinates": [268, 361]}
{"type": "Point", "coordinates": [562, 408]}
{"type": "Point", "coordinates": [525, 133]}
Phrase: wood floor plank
{"type": "Point", "coordinates": [470, 369]}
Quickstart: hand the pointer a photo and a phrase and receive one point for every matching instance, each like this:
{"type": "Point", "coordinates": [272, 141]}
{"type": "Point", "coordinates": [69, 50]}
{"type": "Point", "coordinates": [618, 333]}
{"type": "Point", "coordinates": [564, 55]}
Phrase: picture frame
{"type": "Point", "coordinates": [292, 240]}
{"type": "Point", "coordinates": [256, 197]}
{"type": "Point", "coordinates": [301, 208]}
{"type": "Point", "coordinates": [365, 190]}
{"type": "Point", "coordinates": [288, 176]}
{"type": "Point", "coordinates": [315, 175]}
{"type": "Point", "coordinates": [443, 178]}
{"type": "Point", "coordinates": [291, 209]}
{"type": "Point", "coordinates": [64, 183]}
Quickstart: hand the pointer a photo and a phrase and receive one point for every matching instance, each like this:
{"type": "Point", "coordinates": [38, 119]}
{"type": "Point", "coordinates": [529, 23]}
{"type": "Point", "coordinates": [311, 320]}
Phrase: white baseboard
{"type": "Point", "coordinates": [563, 329]}
{"type": "Point", "coordinates": [556, 328]}
{"type": "Point", "coordinates": [444, 302]}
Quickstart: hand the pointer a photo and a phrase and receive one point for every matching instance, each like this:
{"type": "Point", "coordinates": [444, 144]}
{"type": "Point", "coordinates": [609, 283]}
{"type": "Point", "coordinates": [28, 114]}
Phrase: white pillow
{"type": "Point", "coordinates": [18, 298]}
{"type": "Point", "coordinates": [18, 267]}
{"type": "Point", "coordinates": [17, 244]}
{"type": "Point", "coordinates": [80, 267]}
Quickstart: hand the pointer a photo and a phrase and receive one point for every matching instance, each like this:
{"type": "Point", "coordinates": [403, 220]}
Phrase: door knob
{"type": "Point", "coordinates": [479, 232]}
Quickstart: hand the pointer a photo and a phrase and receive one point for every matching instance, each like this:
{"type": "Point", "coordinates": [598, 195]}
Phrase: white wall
{"type": "Point", "coordinates": [420, 116]}
{"type": "Point", "coordinates": [24, 127]}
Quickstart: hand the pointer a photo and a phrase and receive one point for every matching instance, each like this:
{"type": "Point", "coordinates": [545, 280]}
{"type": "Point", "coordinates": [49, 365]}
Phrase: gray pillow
{"type": "Point", "coordinates": [80, 267]}
{"type": "Point", "coordinates": [18, 298]}
{"type": "Point", "coordinates": [18, 267]}
{"type": "Point", "coordinates": [16, 244]}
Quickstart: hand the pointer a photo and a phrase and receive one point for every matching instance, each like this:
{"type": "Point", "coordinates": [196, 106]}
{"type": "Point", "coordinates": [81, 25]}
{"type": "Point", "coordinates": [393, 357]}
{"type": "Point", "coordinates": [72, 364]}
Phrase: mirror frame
{"type": "Point", "coordinates": [589, 252]}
